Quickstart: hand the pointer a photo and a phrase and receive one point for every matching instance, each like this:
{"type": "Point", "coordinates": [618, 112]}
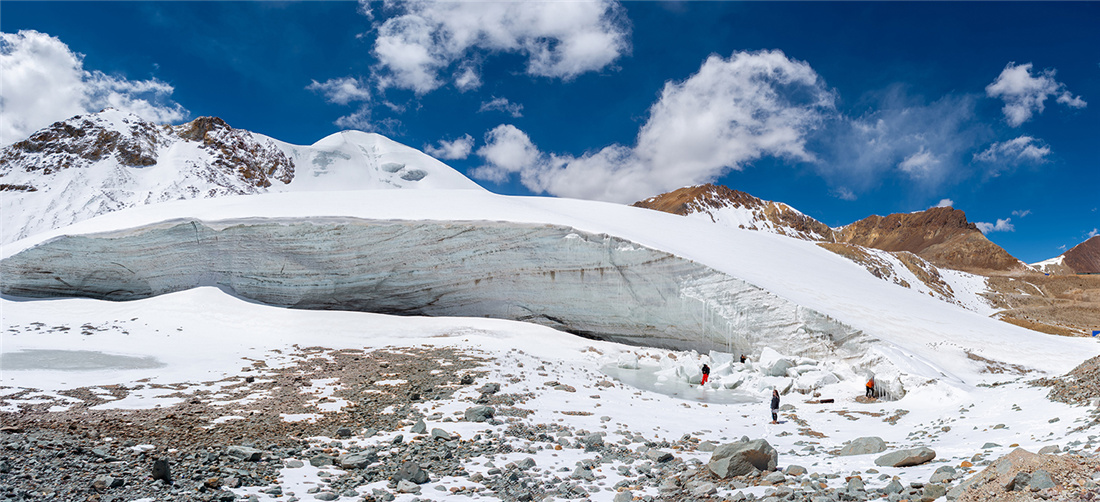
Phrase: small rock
{"type": "Point", "coordinates": [623, 496]}
{"type": "Point", "coordinates": [326, 496]}
{"type": "Point", "coordinates": [343, 432]}
{"type": "Point", "coordinates": [489, 388]}
{"type": "Point", "coordinates": [440, 434]}
{"type": "Point", "coordinates": [356, 460]}
{"type": "Point", "coordinates": [1040, 480]}
{"type": "Point", "coordinates": [320, 460]}
{"type": "Point", "coordinates": [944, 473]}
{"type": "Point", "coordinates": [479, 413]}
{"type": "Point", "coordinates": [705, 490]}
{"type": "Point", "coordinates": [411, 471]}
{"type": "Point", "coordinates": [161, 470]}
{"type": "Point", "coordinates": [1049, 449]}
{"type": "Point", "coordinates": [467, 379]}
{"type": "Point", "coordinates": [863, 446]}
{"type": "Point", "coordinates": [775, 478]}
{"type": "Point", "coordinates": [795, 470]}
{"type": "Point", "coordinates": [420, 427]}
{"type": "Point", "coordinates": [988, 446]}
{"type": "Point", "coordinates": [245, 453]}
{"type": "Point", "coordinates": [933, 491]}
{"type": "Point", "coordinates": [406, 486]}
{"type": "Point", "coordinates": [905, 458]}
{"type": "Point", "coordinates": [294, 463]}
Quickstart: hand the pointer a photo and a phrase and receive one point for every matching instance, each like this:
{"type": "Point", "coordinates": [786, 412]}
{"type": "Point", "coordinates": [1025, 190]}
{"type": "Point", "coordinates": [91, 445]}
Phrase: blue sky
{"type": "Point", "coordinates": [840, 109]}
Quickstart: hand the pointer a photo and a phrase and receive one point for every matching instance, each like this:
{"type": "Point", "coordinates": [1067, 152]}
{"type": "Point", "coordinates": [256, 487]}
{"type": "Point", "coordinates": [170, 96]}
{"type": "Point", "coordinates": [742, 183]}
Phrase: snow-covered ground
{"type": "Point", "coordinates": [194, 339]}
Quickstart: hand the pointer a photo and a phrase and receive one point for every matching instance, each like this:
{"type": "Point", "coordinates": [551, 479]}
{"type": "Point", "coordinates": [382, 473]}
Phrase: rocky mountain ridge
{"type": "Point", "coordinates": [940, 235]}
{"type": "Point", "coordinates": [1083, 258]}
{"type": "Point", "coordinates": [97, 163]}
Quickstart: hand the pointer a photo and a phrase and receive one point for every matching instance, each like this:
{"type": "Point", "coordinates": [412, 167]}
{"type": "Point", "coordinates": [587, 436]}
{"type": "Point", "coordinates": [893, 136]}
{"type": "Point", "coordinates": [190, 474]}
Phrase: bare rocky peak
{"type": "Point", "coordinates": [1084, 258]}
{"type": "Point", "coordinates": [750, 212]}
{"type": "Point", "coordinates": [941, 235]}
{"type": "Point", "coordinates": [132, 142]}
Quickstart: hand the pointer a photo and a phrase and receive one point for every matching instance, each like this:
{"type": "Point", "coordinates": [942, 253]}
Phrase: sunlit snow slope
{"type": "Point", "coordinates": [593, 268]}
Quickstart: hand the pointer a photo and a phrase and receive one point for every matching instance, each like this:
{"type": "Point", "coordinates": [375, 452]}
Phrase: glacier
{"type": "Point", "coordinates": [592, 268]}
{"type": "Point", "coordinates": [594, 285]}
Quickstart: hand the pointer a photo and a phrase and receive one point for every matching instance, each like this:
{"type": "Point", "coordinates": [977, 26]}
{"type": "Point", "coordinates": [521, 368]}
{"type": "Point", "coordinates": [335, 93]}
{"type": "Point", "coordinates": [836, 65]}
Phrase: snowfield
{"type": "Point", "coordinates": [204, 337]}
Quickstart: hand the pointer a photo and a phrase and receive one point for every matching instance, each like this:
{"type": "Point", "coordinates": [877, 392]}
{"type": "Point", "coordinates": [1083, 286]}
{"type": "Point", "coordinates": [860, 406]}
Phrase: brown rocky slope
{"type": "Point", "coordinates": [941, 235]}
{"type": "Point", "coordinates": [1084, 258]}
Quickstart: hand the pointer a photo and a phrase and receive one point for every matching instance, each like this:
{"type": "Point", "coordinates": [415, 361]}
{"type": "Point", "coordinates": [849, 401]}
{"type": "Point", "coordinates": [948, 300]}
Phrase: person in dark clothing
{"type": "Point", "coordinates": [706, 374]}
{"type": "Point", "coordinates": [775, 406]}
{"type": "Point", "coordinates": [742, 358]}
{"type": "Point", "coordinates": [871, 387]}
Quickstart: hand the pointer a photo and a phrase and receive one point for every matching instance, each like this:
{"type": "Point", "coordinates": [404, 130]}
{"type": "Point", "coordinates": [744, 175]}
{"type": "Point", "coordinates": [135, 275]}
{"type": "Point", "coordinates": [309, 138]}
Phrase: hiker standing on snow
{"type": "Point", "coordinates": [871, 387]}
{"type": "Point", "coordinates": [706, 374]}
{"type": "Point", "coordinates": [742, 358]}
{"type": "Point", "coordinates": [775, 406]}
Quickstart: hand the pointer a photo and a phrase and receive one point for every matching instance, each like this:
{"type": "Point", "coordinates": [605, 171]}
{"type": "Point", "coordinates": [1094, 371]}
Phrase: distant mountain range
{"type": "Point", "coordinates": [940, 235]}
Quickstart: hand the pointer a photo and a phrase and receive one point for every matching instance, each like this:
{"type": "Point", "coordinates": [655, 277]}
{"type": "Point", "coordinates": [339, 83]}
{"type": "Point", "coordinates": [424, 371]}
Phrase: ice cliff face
{"type": "Point", "coordinates": [99, 163]}
{"type": "Point", "coordinates": [593, 285]}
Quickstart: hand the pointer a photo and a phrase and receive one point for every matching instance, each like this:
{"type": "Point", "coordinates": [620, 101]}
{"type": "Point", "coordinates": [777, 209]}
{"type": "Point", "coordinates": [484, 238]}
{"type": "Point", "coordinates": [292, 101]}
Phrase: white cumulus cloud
{"type": "Point", "coordinates": [1004, 225]}
{"type": "Point", "coordinates": [921, 164]}
{"type": "Point", "coordinates": [43, 81]}
{"type": "Point", "coordinates": [1023, 149]}
{"type": "Point", "coordinates": [1025, 94]}
{"type": "Point", "coordinates": [559, 39]}
{"type": "Point", "coordinates": [341, 91]}
{"type": "Point", "coordinates": [945, 203]}
{"type": "Point", "coordinates": [732, 111]}
{"type": "Point", "coordinates": [503, 105]}
{"type": "Point", "coordinates": [457, 149]}
{"type": "Point", "coordinates": [1093, 233]}
{"type": "Point", "coordinates": [1020, 213]}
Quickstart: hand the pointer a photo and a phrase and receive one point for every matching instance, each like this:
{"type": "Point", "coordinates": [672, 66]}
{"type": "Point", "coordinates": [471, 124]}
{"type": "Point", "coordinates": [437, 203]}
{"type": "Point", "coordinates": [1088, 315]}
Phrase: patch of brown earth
{"type": "Point", "coordinates": [1054, 304]}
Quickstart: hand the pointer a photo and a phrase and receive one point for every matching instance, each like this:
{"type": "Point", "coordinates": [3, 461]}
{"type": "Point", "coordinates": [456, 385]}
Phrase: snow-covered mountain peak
{"type": "Point", "coordinates": [97, 163]}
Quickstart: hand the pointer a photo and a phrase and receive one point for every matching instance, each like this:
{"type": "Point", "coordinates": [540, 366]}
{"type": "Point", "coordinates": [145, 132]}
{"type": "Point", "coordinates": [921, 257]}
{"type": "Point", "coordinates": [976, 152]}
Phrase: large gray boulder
{"type": "Point", "coordinates": [245, 453]}
{"type": "Point", "coordinates": [905, 458]}
{"type": "Point", "coordinates": [356, 460]}
{"type": "Point", "coordinates": [863, 446]}
{"type": "Point", "coordinates": [479, 413]}
{"type": "Point", "coordinates": [742, 457]}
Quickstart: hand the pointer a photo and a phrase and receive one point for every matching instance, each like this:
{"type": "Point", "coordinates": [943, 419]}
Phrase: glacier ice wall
{"type": "Point", "coordinates": [593, 285]}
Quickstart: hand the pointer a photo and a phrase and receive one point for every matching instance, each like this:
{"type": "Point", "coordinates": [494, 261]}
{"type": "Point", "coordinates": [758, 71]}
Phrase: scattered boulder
{"type": "Point", "coordinates": [438, 433]}
{"type": "Point", "coordinates": [945, 473]}
{"type": "Point", "coordinates": [1048, 449]}
{"type": "Point", "coordinates": [343, 432]}
{"type": "Point", "coordinates": [489, 388]}
{"type": "Point", "coordinates": [905, 458]}
{"type": "Point", "coordinates": [245, 453]}
{"type": "Point", "coordinates": [933, 491]}
{"type": "Point", "coordinates": [863, 446]}
{"type": "Point", "coordinates": [420, 427]}
{"type": "Point", "coordinates": [479, 413]}
{"type": "Point", "coordinates": [410, 471]}
{"type": "Point", "coordinates": [356, 460]}
{"type": "Point", "coordinates": [740, 458]}
{"type": "Point", "coordinates": [161, 470]}
{"type": "Point", "coordinates": [795, 470]}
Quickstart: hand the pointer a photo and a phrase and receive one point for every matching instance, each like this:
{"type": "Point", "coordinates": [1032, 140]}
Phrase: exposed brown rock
{"type": "Point", "coordinates": [941, 235]}
{"type": "Point", "coordinates": [77, 142]}
{"type": "Point", "coordinates": [1084, 258]}
{"type": "Point", "coordinates": [707, 198]}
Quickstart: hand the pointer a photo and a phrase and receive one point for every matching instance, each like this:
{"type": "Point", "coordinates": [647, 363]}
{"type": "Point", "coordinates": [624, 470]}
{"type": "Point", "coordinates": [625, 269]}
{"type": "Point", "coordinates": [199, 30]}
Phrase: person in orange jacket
{"type": "Point", "coordinates": [871, 387]}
